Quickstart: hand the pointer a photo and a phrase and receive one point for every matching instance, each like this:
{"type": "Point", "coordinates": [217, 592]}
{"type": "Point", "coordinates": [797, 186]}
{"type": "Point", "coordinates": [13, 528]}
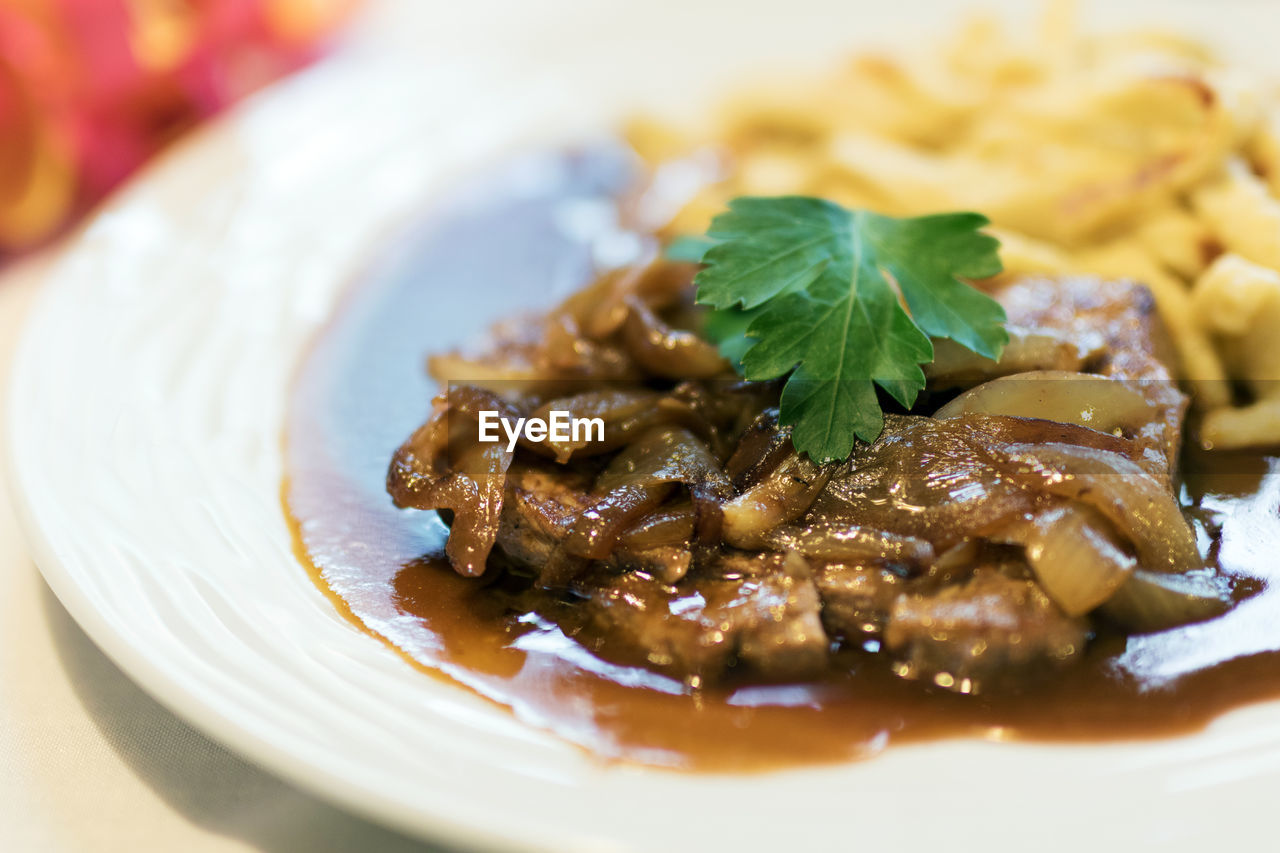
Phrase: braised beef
{"type": "Point", "coordinates": [694, 540]}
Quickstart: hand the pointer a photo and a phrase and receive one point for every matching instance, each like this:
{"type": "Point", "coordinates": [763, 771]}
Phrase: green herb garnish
{"type": "Point", "coordinates": [807, 289]}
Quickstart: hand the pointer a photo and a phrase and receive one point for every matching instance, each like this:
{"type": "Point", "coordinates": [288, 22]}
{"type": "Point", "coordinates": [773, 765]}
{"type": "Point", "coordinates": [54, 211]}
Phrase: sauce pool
{"type": "Point", "coordinates": [523, 239]}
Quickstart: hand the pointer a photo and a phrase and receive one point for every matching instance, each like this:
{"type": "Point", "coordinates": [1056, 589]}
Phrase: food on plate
{"type": "Point", "coordinates": [970, 535]}
{"type": "Point", "coordinates": [942, 404]}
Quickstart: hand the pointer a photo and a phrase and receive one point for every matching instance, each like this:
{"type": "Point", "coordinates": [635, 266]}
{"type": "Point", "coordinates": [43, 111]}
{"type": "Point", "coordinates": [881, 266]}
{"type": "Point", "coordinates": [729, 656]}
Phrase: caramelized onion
{"type": "Point", "coordinates": [761, 448]}
{"type": "Point", "coordinates": [567, 354]}
{"type": "Point", "coordinates": [664, 351]}
{"type": "Point", "coordinates": [625, 415]}
{"type": "Point", "coordinates": [638, 480]}
{"type": "Point", "coordinates": [667, 526]}
{"type": "Point", "coordinates": [1008, 429]}
{"type": "Point", "coordinates": [1152, 601]}
{"type": "Point", "coordinates": [1140, 507]}
{"type": "Point", "coordinates": [444, 467]}
{"type": "Point", "coordinates": [1090, 401]}
{"type": "Point", "coordinates": [941, 481]}
{"type": "Point", "coordinates": [667, 563]}
{"type": "Point", "coordinates": [1075, 555]}
{"type": "Point", "coordinates": [487, 371]}
{"type": "Point", "coordinates": [1028, 349]}
{"type": "Point", "coordinates": [599, 310]}
{"type": "Point", "coordinates": [782, 496]}
{"type": "Point", "coordinates": [668, 455]}
{"type": "Point", "coordinates": [469, 401]}
{"type": "Point", "coordinates": [596, 530]}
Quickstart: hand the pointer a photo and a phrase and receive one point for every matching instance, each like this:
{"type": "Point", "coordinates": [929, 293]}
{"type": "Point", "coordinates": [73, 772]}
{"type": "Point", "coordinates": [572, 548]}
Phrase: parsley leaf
{"type": "Point", "coordinates": [805, 287]}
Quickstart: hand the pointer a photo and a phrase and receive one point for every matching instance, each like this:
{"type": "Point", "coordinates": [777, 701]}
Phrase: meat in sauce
{"type": "Point", "coordinates": [640, 671]}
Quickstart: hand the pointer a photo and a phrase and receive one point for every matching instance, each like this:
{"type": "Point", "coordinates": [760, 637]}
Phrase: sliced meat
{"type": "Point", "coordinates": [1122, 313]}
{"type": "Point", "coordinates": [856, 599]}
{"type": "Point", "coordinates": [973, 635]}
{"type": "Point", "coordinates": [760, 611]}
{"type": "Point", "coordinates": [542, 501]}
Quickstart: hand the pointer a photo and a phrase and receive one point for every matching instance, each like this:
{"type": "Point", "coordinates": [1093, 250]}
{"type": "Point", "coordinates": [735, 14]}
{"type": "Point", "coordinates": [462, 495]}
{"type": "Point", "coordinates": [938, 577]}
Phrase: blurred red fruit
{"type": "Point", "coordinates": [89, 89]}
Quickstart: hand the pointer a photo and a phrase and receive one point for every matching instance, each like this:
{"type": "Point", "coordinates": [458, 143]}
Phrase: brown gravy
{"type": "Point", "coordinates": [526, 237]}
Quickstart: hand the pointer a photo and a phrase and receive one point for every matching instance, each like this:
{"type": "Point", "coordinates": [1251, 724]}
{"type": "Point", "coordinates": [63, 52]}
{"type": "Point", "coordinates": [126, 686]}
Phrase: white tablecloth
{"type": "Point", "coordinates": [88, 762]}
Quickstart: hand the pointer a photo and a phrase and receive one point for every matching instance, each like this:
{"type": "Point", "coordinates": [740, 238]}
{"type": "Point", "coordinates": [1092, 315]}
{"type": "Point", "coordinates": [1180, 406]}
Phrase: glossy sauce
{"type": "Point", "coordinates": [523, 239]}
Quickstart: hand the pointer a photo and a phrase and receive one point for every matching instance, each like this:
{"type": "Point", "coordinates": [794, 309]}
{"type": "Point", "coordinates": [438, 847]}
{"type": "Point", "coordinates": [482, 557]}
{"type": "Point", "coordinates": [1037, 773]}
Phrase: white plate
{"type": "Point", "coordinates": [146, 417]}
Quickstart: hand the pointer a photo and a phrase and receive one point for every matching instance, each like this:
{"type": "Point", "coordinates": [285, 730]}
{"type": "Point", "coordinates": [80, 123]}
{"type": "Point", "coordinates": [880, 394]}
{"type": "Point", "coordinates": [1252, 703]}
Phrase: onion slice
{"type": "Point", "coordinates": [596, 530]}
{"type": "Point", "coordinates": [1028, 349]}
{"type": "Point", "coordinates": [1152, 601]}
{"type": "Point", "coordinates": [443, 466]}
{"type": "Point", "coordinates": [1075, 554]}
{"type": "Point", "coordinates": [783, 496]}
{"type": "Point", "coordinates": [626, 414]}
{"type": "Point", "coordinates": [664, 351]}
{"type": "Point", "coordinates": [1097, 402]}
{"type": "Point", "coordinates": [670, 525]}
{"type": "Point", "coordinates": [1142, 508]}
{"type": "Point", "coordinates": [639, 479]}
